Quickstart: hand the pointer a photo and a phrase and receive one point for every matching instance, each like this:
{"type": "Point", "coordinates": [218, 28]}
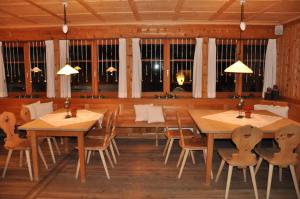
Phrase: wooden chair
{"type": "Point", "coordinates": [245, 138]}
{"type": "Point", "coordinates": [173, 134]}
{"type": "Point", "coordinates": [189, 144]}
{"type": "Point", "coordinates": [100, 145]}
{"type": "Point", "coordinates": [26, 117]}
{"type": "Point", "coordinates": [99, 133]}
{"type": "Point", "coordinates": [287, 138]}
{"type": "Point", "coordinates": [14, 142]}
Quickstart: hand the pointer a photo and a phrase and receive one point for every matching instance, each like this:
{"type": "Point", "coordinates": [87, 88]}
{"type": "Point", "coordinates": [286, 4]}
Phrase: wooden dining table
{"type": "Point", "coordinates": [222, 130]}
{"type": "Point", "coordinates": [41, 128]}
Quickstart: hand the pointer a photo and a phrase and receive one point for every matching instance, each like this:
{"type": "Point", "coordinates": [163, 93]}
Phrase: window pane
{"type": "Point", "coordinates": [226, 55]}
{"type": "Point", "coordinates": [108, 64]}
{"type": "Point", "coordinates": [13, 55]}
{"type": "Point", "coordinates": [152, 54]}
{"type": "Point", "coordinates": [38, 60]}
{"type": "Point", "coordinates": [80, 59]}
{"type": "Point", "coordinates": [181, 67]}
{"type": "Point", "coordinates": [254, 57]}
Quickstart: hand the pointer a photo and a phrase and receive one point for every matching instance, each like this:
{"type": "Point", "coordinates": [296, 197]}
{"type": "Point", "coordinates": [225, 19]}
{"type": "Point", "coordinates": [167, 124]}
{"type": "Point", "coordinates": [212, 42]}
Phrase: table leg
{"type": "Point", "coordinates": [156, 136]}
{"type": "Point", "coordinates": [81, 157]}
{"type": "Point", "coordinates": [34, 148]}
{"type": "Point", "coordinates": [209, 158]}
{"type": "Point", "coordinates": [298, 164]}
{"type": "Point", "coordinates": [66, 145]}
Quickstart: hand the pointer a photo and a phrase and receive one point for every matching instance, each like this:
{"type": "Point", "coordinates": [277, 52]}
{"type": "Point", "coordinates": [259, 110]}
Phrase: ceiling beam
{"type": "Point", "coordinates": [44, 9]}
{"type": "Point", "coordinates": [18, 17]}
{"type": "Point", "coordinates": [134, 10]}
{"type": "Point", "coordinates": [226, 5]}
{"type": "Point", "coordinates": [263, 10]}
{"type": "Point", "coordinates": [90, 9]}
{"type": "Point", "coordinates": [178, 9]}
{"type": "Point", "coordinates": [292, 20]}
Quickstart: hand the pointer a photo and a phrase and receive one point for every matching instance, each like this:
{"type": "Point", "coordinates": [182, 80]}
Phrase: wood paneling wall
{"type": "Point", "coordinates": [288, 67]}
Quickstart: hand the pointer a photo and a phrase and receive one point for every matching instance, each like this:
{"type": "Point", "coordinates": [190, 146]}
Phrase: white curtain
{"type": "Point", "coordinates": [65, 81]}
{"type": "Point", "coordinates": [3, 87]}
{"type": "Point", "coordinates": [211, 73]}
{"type": "Point", "coordinates": [136, 69]}
{"type": "Point", "coordinates": [50, 68]}
{"type": "Point", "coordinates": [197, 69]}
{"type": "Point", "coordinates": [270, 66]}
{"type": "Point", "coordinates": [122, 92]}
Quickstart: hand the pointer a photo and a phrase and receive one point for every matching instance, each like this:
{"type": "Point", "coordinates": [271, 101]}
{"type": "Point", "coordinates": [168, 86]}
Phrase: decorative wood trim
{"type": "Point", "coordinates": [263, 10]}
{"type": "Point", "coordinates": [28, 82]}
{"type": "Point", "coordinates": [167, 72]}
{"type": "Point", "coordinates": [16, 16]}
{"type": "Point", "coordinates": [134, 10]}
{"type": "Point", "coordinates": [57, 67]}
{"type": "Point", "coordinates": [129, 67]}
{"type": "Point", "coordinates": [91, 10]}
{"type": "Point", "coordinates": [178, 9]}
{"type": "Point", "coordinates": [204, 66]}
{"type": "Point", "coordinates": [45, 10]}
{"type": "Point", "coordinates": [226, 5]}
{"type": "Point", "coordinates": [95, 75]}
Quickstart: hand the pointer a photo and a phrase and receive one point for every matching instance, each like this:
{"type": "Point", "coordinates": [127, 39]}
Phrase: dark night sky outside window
{"type": "Point", "coordinates": [38, 59]}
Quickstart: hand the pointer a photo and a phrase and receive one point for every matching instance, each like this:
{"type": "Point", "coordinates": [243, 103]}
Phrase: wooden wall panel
{"type": "Point", "coordinates": [288, 67]}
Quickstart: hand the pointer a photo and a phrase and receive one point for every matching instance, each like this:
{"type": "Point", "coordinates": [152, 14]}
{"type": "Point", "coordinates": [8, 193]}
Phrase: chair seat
{"type": "Point", "coordinates": [175, 134]}
{"type": "Point", "coordinates": [268, 154]}
{"type": "Point", "coordinates": [194, 143]}
{"type": "Point", "coordinates": [93, 144]}
{"type": "Point", "coordinates": [96, 133]}
{"type": "Point", "coordinates": [24, 144]}
{"type": "Point", "coordinates": [226, 155]}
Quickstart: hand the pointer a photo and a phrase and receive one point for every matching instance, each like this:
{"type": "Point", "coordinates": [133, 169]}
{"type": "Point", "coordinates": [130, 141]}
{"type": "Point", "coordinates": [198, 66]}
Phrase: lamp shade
{"type": "Point", "coordinates": [238, 67]}
{"type": "Point", "coordinates": [111, 69]}
{"type": "Point", "coordinates": [36, 69]}
{"type": "Point", "coordinates": [67, 70]}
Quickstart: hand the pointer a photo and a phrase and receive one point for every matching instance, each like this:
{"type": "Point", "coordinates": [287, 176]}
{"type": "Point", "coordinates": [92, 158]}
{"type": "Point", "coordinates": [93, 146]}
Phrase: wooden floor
{"type": "Point", "coordinates": [140, 173]}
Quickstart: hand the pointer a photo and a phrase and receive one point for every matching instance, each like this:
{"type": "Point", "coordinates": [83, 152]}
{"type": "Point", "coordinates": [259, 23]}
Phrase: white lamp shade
{"type": "Point", "coordinates": [111, 69]}
{"type": "Point", "coordinates": [238, 67]}
{"type": "Point", "coordinates": [65, 28]}
{"type": "Point", "coordinates": [67, 70]}
{"type": "Point", "coordinates": [36, 69]}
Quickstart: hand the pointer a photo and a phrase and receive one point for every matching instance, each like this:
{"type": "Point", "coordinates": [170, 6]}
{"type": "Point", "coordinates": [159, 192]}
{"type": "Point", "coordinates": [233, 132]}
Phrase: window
{"type": "Point", "coordinates": [38, 66]}
{"type": "Point", "coordinates": [80, 59]}
{"type": "Point", "coordinates": [108, 64]}
{"type": "Point", "coordinates": [152, 55]}
{"type": "Point", "coordinates": [226, 55]}
{"type": "Point", "coordinates": [254, 52]}
{"type": "Point", "coordinates": [181, 64]}
{"type": "Point", "coordinates": [13, 55]}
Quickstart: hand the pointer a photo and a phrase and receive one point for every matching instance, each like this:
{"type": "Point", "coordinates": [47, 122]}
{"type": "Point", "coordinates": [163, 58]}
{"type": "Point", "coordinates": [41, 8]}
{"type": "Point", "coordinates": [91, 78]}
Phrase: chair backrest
{"type": "Point", "coordinates": [108, 129]}
{"type": "Point", "coordinates": [7, 123]}
{"type": "Point", "coordinates": [25, 114]}
{"type": "Point", "coordinates": [170, 115]}
{"type": "Point", "coordinates": [245, 138]}
{"type": "Point", "coordinates": [288, 139]}
{"type": "Point", "coordinates": [180, 128]}
{"type": "Point", "coordinates": [114, 121]}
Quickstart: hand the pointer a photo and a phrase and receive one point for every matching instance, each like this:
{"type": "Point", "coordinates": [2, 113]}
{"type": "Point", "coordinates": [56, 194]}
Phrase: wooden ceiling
{"type": "Point", "coordinates": [49, 13]}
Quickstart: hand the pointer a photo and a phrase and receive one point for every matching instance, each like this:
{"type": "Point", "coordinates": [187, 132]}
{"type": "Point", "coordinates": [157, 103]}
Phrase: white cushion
{"type": "Point", "coordinates": [141, 112]}
{"type": "Point", "coordinates": [155, 114]}
{"type": "Point", "coordinates": [32, 109]}
{"type": "Point", "coordinates": [44, 108]}
{"type": "Point", "coordinates": [278, 110]}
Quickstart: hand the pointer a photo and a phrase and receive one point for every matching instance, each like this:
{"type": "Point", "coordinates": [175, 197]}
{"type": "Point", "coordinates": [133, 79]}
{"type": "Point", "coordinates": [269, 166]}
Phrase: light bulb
{"type": "Point", "coordinates": [243, 26]}
{"type": "Point", "coordinates": [65, 28]}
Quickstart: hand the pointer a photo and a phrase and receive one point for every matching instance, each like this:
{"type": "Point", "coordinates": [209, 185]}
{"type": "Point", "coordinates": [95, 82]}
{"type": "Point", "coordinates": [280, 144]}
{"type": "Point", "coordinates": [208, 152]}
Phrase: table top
{"type": "Point", "coordinates": [213, 126]}
{"type": "Point", "coordinates": [41, 125]}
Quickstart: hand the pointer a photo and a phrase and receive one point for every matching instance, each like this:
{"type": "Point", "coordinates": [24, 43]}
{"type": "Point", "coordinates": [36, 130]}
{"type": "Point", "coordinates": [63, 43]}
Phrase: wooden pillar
{"type": "Point", "coordinates": [57, 67]}
{"type": "Point", "coordinates": [204, 66]}
{"type": "Point", "coordinates": [129, 66]}
{"type": "Point", "coordinates": [28, 81]}
{"type": "Point", "coordinates": [95, 78]}
{"type": "Point", "coordinates": [166, 80]}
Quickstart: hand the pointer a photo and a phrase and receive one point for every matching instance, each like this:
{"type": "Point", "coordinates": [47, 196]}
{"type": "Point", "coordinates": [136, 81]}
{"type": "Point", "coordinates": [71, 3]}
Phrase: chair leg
{"type": "Point", "coordinates": [21, 158]}
{"type": "Point", "coordinates": [253, 181]}
{"type": "Point", "coordinates": [280, 174]}
{"type": "Point", "coordinates": [109, 159]}
{"type": "Point", "coordinates": [88, 157]}
{"type": "Point", "coordinates": [258, 165]}
{"type": "Point", "coordinates": [220, 170]}
{"type": "Point", "coordinates": [193, 157]}
{"type": "Point", "coordinates": [271, 166]}
{"type": "Point", "coordinates": [27, 153]}
{"type": "Point", "coordinates": [183, 162]}
{"type": "Point", "coordinates": [104, 164]}
{"type": "Point", "coordinates": [228, 181]}
{"type": "Point", "coordinates": [115, 145]}
{"type": "Point", "coordinates": [51, 149]}
{"type": "Point", "coordinates": [169, 150]}
{"type": "Point", "coordinates": [180, 157]}
{"type": "Point", "coordinates": [292, 168]}
{"type": "Point", "coordinates": [56, 145]}
{"type": "Point", "coordinates": [166, 146]}
{"type": "Point", "coordinates": [245, 174]}
{"type": "Point", "coordinates": [6, 162]}
{"type": "Point", "coordinates": [42, 157]}
{"type": "Point", "coordinates": [113, 152]}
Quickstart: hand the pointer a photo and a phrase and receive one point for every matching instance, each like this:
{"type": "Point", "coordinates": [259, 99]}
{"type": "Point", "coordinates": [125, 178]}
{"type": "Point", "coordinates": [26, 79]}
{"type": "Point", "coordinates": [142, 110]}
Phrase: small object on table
{"type": "Point", "coordinates": [275, 93]}
{"type": "Point", "coordinates": [74, 112]}
{"type": "Point", "coordinates": [240, 107]}
{"type": "Point", "coordinates": [67, 105]}
{"type": "Point", "coordinates": [248, 109]}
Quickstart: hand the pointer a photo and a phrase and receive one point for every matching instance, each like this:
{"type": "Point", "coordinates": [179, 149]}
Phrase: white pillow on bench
{"type": "Point", "coordinates": [32, 109]}
{"type": "Point", "coordinates": [282, 111]}
{"type": "Point", "coordinates": [44, 108]}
